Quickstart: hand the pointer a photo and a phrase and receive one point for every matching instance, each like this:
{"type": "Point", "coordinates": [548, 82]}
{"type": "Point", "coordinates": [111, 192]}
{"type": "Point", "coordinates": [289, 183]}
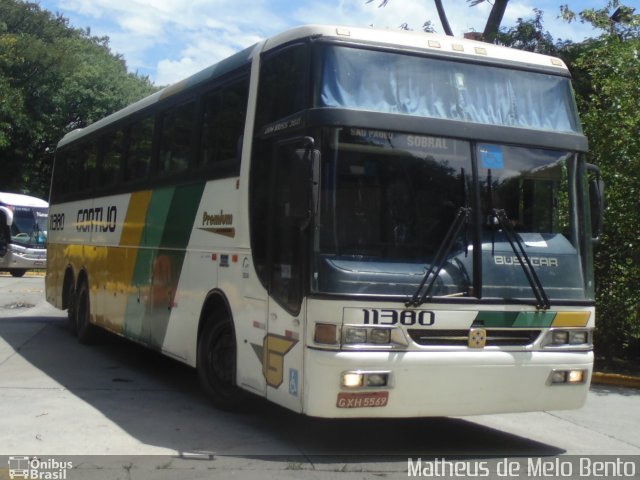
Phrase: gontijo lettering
{"type": "Point", "coordinates": [97, 219]}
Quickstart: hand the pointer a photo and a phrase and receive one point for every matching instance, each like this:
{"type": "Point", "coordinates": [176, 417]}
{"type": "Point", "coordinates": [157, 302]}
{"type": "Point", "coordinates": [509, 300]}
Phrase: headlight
{"type": "Point", "coordinates": [559, 337]}
{"type": "Point", "coordinates": [355, 335]}
{"type": "Point", "coordinates": [359, 336]}
{"type": "Point", "coordinates": [380, 336]}
{"type": "Point", "coordinates": [568, 338]}
{"type": "Point", "coordinates": [578, 337]}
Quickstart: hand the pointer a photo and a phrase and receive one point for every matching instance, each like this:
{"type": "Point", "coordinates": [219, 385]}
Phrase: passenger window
{"type": "Point", "coordinates": [283, 88]}
{"type": "Point", "coordinates": [223, 123]}
{"type": "Point", "coordinates": [140, 149]}
{"type": "Point", "coordinates": [175, 144]}
{"type": "Point", "coordinates": [112, 158]}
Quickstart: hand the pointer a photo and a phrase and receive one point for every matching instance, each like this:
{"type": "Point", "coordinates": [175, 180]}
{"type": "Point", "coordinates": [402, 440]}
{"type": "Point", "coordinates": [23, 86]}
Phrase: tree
{"type": "Point", "coordinates": [607, 74]}
{"type": "Point", "coordinates": [495, 18]}
{"type": "Point", "coordinates": [530, 35]}
{"type": "Point", "coordinates": [53, 78]}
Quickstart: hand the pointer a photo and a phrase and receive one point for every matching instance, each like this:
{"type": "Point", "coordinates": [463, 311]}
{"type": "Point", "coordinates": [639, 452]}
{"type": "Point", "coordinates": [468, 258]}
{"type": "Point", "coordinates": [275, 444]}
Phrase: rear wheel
{"type": "Point", "coordinates": [86, 331]}
{"type": "Point", "coordinates": [18, 272]}
{"type": "Point", "coordinates": [217, 365]}
{"type": "Point", "coordinates": [69, 301]}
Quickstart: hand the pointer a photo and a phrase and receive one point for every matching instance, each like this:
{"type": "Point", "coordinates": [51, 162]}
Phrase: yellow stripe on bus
{"type": "Point", "coordinates": [571, 319]}
{"type": "Point", "coordinates": [120, 262]}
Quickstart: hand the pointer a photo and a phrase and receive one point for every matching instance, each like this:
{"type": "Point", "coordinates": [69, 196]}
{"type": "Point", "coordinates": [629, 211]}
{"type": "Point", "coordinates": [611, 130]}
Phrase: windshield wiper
{"type": "Point", "coordinates": [429, 279]}
{"type": "Point", "coordinates": [523, 258]}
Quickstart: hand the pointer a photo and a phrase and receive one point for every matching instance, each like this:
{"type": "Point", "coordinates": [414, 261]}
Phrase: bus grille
{"type": "Point", "coordinates": [513, 337]}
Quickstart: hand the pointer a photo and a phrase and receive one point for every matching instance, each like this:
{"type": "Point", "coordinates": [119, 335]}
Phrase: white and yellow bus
{"type": "Point", "coordinates": [23, 233]}
{"type": "Point", "coordinates": [347, 222]}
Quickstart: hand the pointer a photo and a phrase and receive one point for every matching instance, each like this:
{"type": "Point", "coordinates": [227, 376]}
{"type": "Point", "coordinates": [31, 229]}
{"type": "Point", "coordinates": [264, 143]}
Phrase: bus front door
{"type": "Point", "coordinates": [289, 218]}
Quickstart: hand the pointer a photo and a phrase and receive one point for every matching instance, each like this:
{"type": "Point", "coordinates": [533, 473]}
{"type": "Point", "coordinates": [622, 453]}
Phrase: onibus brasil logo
{"type": "Point", "coordinates": [34, 468]}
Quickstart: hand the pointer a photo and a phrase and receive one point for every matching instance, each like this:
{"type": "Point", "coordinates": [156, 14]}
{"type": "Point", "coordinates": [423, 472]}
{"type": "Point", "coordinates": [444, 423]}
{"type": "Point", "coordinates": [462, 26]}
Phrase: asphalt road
{"type": "Point", "coordinates": [60, 399]}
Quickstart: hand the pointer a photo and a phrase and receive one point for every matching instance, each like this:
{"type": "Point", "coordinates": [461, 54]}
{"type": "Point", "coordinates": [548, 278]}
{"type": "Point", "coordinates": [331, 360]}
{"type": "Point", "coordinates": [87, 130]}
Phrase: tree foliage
{"type": "Point", "coordinates": [607, 81]}
{"type": "Point", "coordinates": [53, 79]}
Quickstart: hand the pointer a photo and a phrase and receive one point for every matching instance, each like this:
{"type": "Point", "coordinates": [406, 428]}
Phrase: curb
{"type": "Point", "coordinates": [615, 379]}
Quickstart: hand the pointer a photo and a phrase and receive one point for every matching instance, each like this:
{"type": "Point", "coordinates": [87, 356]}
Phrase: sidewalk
{"type": "Point", "coordinates": [615, 379]}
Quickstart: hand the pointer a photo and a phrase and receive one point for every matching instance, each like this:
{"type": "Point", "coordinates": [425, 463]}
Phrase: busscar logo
{"type": "Point", "coordinates": [38, 469]}
{"type": "Point", "coordinates": [510, 260]}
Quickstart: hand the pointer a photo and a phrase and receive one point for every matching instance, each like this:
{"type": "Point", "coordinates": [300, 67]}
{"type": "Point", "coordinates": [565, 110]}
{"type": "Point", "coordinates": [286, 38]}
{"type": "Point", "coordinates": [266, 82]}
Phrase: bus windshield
{"type": "Point", "coordinates": [388, 199]}
{"type": "Point", "coordinates": [29, 227]}
{"type": "Point", "coordinates": [388, 82]}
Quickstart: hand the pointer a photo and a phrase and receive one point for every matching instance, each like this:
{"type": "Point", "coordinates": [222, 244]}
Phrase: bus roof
{"type": "Point", "coordinates": [19, 200]}
{"type": "Point", "coordinates": [428, 42]}
{"type": "Point", "coordinates": [419, 41]}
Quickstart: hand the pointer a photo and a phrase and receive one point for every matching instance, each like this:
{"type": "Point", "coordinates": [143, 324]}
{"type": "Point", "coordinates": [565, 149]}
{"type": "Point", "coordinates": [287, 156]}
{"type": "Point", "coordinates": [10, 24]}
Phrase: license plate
{"type": "Point", "coordinates": [362, 399]}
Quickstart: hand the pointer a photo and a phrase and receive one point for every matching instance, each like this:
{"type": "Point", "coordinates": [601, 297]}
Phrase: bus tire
{"type": "Point", "coordinates": [69, 300]}
{"type": "Point", "coordinates": [17, 272]}
{"type": "Point", "coordinates": [85, 330]}
{"type": "Point", "coordinates": [216, 365]}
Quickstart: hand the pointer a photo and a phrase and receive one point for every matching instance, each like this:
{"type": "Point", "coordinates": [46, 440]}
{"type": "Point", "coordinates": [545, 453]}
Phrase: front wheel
{"type": "Point", "coordinates": [217, 365]}
{"type": "Point", "coordinates": [17, 273]}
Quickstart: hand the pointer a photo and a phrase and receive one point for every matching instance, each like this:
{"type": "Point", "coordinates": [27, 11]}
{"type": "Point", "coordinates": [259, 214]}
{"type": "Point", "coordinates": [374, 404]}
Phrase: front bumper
{"type": "Point", "coordinates": [424, 384]}
{"type": "Point", "coordinates": [24, 258]}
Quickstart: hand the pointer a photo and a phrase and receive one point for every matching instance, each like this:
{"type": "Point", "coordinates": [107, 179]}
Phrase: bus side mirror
{"type": "Point", "coordinates": [6, 217]}
{"type": "Point", "coordinates": [596, 202]}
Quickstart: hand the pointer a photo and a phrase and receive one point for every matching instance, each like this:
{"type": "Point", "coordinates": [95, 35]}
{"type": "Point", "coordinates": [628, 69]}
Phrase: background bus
{"type": "Point", "coordinates": [348, 222]}
{"type": "Point", "coordinates": [23, 233]}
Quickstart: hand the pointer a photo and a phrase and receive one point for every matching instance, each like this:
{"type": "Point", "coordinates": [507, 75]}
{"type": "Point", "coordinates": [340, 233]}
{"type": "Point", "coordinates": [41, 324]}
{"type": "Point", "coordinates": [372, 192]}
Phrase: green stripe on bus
{"type": "Point", "coordinates": [515, 319]}
{"type": "Point", "coordinates": [168, 227]}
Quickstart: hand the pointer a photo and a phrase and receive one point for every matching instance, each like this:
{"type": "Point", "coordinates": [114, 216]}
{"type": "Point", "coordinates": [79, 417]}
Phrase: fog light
{"type": "Point", "coordinates": [326, 333]}
{"type": "Point", "coordinates": [575, 376]}
{"type": "Point", "coordinates": [559, 376]}
{"type": "Point", "coordinates": [355, 335]}
{"type": "Point", "coordinates": [568, 377]}
{"type": "Point", "coordinates": [380, 336]}
{"type": "Point", "coordinates": [352, 379]}
{"type": "Point", "coordinates": [560, 337]}
{"type": "Point", "coordinates": [377, 379]}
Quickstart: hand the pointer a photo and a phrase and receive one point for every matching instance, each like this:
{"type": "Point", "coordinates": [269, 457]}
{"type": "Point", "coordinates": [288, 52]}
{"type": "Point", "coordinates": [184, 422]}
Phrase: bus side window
{"type": "Point", "coordinates": [111, 159]}
{"type": "Point", "coordinates": [232, 116]}
{"type": "Point", "coordinates": [91, 154]}
{"type": "Point", "coordinates": [283, 89]}
{"type": "Point", "coordinates": [177, 126]}
{"type": "Point", "coordinates": [70, 170]}
{"type": "Point", "coordinates": [223, 123]}
{"type": "Point", "coordinates": [210, 129]}
{"type": "Point", "coordinates": [140, 150]}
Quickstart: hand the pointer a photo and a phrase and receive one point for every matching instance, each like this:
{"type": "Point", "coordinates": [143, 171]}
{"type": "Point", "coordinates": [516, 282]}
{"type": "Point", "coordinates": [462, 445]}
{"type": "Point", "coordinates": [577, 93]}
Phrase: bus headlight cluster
{"type": "Point", "coordinates": [376, 336]}
{"type": "Point", "coordinates": [568, 338]}
{"type": "Point", "coordinates": [358, 336]}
